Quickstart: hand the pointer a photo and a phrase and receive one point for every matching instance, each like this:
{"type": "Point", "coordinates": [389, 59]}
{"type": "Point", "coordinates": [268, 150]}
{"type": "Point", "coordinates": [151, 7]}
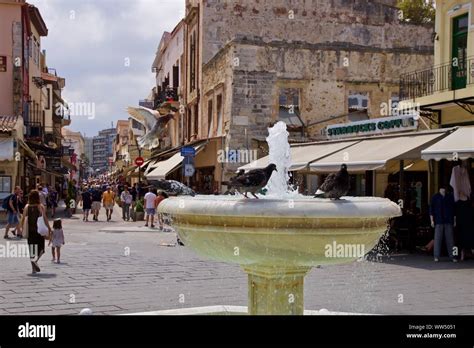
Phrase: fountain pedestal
{"type": "Point", "coordinates": [276, 291]}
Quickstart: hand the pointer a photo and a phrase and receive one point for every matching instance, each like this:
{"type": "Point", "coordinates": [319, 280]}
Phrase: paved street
{"type": "Point", "coordinates": [113, 272]}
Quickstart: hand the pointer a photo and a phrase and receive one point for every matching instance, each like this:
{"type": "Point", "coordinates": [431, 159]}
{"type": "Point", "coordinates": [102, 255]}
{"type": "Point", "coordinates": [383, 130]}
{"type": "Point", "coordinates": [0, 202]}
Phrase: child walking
{"type": "Point", "coordinates": [57, 240]}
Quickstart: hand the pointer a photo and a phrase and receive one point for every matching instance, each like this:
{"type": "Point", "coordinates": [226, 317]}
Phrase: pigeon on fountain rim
{"type": "Point", "coordinates": [253, 181]}
{"type": "Point", "coordinates": [336, 185]}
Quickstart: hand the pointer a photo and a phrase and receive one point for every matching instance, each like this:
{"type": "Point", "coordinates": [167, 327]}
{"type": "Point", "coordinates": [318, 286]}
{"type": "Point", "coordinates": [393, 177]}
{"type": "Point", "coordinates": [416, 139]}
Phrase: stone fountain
{"type": "Point", "coordinates": [279, 238]}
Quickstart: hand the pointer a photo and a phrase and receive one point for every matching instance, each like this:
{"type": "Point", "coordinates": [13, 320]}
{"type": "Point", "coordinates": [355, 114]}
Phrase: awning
{"type": "Point", "coordinates": [302, 155]}
{"type": "Point", "coordinates": [165, 167]}
{"type": "Point", "coordinates": [457, 145]}
{"type": "Point", "coordinates": [27, 149]}
{"type": "Point", "coordinates": [68, 164]}
{"type": "Point", "coordinates": [372, 154]}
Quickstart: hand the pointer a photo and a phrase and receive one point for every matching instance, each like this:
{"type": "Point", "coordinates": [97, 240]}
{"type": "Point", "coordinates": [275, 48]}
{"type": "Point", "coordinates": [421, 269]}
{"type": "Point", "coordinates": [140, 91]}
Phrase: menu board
{"type": "Point", "coordinates": [3, 63]}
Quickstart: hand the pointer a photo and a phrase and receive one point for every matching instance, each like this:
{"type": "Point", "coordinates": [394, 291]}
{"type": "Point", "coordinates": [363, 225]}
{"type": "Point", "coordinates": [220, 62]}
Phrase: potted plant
{"type": "Point", "coordinates": [139, 211]}
{"type": "Point", "coordinates": [70, 200]}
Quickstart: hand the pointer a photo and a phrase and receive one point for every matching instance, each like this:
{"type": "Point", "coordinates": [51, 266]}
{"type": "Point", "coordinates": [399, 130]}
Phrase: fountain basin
{"type": "Point", "coordinates": [277, 241]}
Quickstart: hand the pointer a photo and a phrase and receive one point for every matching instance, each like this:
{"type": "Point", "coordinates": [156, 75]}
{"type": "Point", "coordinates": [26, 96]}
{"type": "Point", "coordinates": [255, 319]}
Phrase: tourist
{"type": "Point", "coordinates": [126, 200]}
{"type": "Point", "coordinates": [96, 202]}
{"type": "Point", "coordinates": [21, 207]}
{"type": "Point", "coordinates": [43, 196]}
{"type": "Point", "coordinates": [57, 240]}
{"type": "Point", "coordinates": [161, 196]}
{"type": "Point", "coordinates": [11, 205]}
{"type": "Point", "coordinates": [86, 198]}
{"type": "Point", "coordinates": [53, 198]}
{"type": "Point", "coordinates": [33, 210]}
{"type": "Point", "coordinates": [443, 221]}
{"type": "Point", "coordinates": [150, 198]}
{"type": "Point", "coordinates": [108, 200]}
{"type": "Point", "coordinates": [133, 192]}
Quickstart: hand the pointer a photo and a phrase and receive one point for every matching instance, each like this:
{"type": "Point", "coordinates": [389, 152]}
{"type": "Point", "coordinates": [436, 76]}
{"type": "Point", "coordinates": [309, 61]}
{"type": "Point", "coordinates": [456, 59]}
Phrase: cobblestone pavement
{"type": "Point", "coordinates": [113, 271]}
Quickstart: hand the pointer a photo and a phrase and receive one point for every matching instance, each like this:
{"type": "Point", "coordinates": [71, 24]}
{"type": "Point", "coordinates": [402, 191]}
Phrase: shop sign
{"type": "Point", "coordinates": [373, 126]}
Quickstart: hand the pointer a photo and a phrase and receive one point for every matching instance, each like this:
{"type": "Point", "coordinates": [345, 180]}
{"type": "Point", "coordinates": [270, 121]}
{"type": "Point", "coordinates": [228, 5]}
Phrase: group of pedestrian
{"type": "Point", "coordinates": [152, 200]}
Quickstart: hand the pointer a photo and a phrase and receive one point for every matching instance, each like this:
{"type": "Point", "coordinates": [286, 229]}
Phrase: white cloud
{"type": "Point", "coordinates": [88, 48]}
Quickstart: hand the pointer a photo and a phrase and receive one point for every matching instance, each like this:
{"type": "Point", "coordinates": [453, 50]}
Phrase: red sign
{"type": "Point", "coordinates": [139, 161]}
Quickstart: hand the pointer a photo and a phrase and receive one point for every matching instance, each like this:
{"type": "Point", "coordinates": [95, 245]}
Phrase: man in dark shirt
{"type": "Point", "coordinates": [443, 220]}
{"type": "Point", "coordinates": [96, 202]}
{"type": "Point", "coordinates": [12, 211]}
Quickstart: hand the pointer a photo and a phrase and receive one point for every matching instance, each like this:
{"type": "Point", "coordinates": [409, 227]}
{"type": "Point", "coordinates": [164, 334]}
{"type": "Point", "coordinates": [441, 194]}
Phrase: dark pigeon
{"type": "Point", "coordinates": [172, 187]}
{"type": "Point", "coordinates": [252, 181]}
{"type": "Point", "coordinates": [336, 185]}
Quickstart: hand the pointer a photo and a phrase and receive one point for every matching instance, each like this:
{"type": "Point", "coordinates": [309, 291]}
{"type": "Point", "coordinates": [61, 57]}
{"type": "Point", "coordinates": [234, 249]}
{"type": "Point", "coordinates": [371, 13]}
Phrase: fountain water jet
{"type": "Point", "coordinates": [278, 239]}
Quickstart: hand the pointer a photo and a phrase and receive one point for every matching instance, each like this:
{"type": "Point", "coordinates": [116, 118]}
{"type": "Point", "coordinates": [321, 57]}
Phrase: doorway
{"type": "Point", "coordinates": [459, 51]}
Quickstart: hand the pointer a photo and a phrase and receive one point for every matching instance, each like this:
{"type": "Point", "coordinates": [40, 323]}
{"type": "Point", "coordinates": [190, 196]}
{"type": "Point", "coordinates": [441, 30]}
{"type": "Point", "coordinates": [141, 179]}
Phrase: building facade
{"type": "Point", "coordinates": [102, 150]}
{"type": "Point", "coordinates": [311, 65]}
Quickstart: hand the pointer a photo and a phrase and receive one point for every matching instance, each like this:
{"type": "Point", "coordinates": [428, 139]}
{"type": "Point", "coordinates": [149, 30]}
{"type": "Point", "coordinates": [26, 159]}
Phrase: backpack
{"type": "Point", "coordinates": [6, 202]}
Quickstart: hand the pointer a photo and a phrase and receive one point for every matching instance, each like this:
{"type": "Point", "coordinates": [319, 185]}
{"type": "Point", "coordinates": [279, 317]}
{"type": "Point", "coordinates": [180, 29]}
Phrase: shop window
{"type": "Point", "coordinates": [289, 106]}
{"type": "Point", "coordinates": [5, 186]}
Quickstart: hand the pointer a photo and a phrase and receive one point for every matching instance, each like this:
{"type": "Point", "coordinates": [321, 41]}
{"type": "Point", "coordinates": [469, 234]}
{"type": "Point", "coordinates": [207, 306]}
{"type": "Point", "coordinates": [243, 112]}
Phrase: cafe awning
{"type": "Point", "coordinates": [457, 145]}
{"type": "Point", "coordinates": [302, 155]}
{"type": "Point", "coordinates": [163, 168]}
{"type": "Point", "coordinates": [372, 154]}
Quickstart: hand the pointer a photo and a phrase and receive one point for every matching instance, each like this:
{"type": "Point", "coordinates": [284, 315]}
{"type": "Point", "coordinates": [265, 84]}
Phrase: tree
{"type": "Point", "coordinates": [417, 11]}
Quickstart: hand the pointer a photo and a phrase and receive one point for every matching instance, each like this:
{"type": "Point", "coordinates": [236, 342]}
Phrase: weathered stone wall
{"type": "Point", "coordinates": [357, 22]}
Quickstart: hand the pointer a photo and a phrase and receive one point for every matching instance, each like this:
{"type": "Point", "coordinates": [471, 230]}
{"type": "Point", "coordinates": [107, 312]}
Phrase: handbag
{"type": "Point", "coordinates": [43, 230]}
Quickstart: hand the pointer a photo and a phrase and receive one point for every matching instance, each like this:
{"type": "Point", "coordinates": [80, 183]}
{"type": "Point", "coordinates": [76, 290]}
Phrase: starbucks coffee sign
{"type": "Point", "coordinates": [373, 126]}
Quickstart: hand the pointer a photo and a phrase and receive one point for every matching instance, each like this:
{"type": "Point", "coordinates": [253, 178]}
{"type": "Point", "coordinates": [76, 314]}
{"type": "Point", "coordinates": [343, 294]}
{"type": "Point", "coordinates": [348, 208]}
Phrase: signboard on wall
{"type": "Point", "coordinates": [373, 126]}
{"type": "Point", "coordinates": [3, 63]}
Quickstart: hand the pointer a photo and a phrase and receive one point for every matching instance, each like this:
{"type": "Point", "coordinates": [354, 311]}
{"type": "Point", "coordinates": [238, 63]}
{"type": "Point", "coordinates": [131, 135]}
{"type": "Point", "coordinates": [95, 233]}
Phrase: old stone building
{"type": "Point", "coordinates": [308, 63]}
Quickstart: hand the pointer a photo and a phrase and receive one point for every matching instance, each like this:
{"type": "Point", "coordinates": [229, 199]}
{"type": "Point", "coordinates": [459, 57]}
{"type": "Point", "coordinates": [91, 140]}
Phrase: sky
{"type": "Point", "coordinates": [104, 49]}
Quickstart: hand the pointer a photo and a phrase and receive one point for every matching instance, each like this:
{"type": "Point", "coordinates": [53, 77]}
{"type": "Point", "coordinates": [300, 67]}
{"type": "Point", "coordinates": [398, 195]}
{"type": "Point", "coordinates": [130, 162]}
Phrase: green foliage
{"type": "Point", "coordinates": [70, 194]}
{"type": "Point", "coordinates": [139, 206]}
{"type": "Point", "coordinates": [417, 11]}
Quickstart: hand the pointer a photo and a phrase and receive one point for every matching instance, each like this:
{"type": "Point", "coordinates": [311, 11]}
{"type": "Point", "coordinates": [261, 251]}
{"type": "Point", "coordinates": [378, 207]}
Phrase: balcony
{"type": "Point", "coordinates": [439, 84]}
{"type": "Point", "coordinates": [169, 94]}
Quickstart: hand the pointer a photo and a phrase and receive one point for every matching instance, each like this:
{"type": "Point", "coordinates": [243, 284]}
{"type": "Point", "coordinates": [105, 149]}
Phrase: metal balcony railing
{"type": "Point", "coordinates": [437, 79]}
{"type": "Point", "coordinates": [169, 94]}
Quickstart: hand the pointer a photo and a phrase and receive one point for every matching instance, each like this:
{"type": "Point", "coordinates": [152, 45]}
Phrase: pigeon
{"type": "Point", "coordinates": [155, 125]}
{"type": "Point", "coordinates": [172, 187]}
{"type": "Point", "coordinates": [252, 181]}
{"type": "Point", "coordinates": [335, 186]}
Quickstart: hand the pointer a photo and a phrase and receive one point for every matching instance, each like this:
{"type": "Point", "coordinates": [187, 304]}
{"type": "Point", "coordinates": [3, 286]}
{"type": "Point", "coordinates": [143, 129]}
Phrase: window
{"type": "Point", "coordinates": [192, 60]}
{"type": "Point", "coordinates": [5, 186]}
{"type": "Point", "coordinates": [289, 106]}
{"type": "Point", "coordinates": [219, 115]}
{"type": "Point", "coordinates": [196, 120]}
{"type": "Point", "coordinates": [48, 98]}
{"type": "Point", "coordinates": [358, 107]}
{"type": "Point", "coordinates": [210, 118]}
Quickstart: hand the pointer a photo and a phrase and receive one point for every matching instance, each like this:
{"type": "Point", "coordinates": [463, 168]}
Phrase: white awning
{"type": "Point", "coordinates": [302, 155]}
{"type": "Point", "coordinates": [165, 167]}
{"type": "Point", "coordinates": [457, 145]}
{"type": "Point", "coordinates": [372, 154]}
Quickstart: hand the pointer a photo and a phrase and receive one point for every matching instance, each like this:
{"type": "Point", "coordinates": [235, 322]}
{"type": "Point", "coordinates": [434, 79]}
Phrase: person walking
{"type": "Point", "coordinates": [11, 205]}
{"type": "Point", "coordinates": [126, 199]}
{"type": "Point", "coordinates": [96, 201]}
{"type": "Point", "coordinates": [161, 196]}
{"type": "Point", "coordinates": [443, 220]}
{"type": "Point", "coordinates": [108, 200]}
{"type": "Point", "coordinates": [33, 210]}
{"type": "Point", "coordinates": [57, 241]}
{"type": "Point", "coordinates": [53, 198]}
{"type": "Point", "coordinates": [86, 198]}
{"type": "Point", "coordinates": [150, 198]}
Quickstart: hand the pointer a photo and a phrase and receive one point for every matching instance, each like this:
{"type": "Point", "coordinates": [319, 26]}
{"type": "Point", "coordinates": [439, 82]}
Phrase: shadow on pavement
{"type": "Point", "coordinates": [43, 275]}
{"type": "Point", "coordinates": [426, 262]}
